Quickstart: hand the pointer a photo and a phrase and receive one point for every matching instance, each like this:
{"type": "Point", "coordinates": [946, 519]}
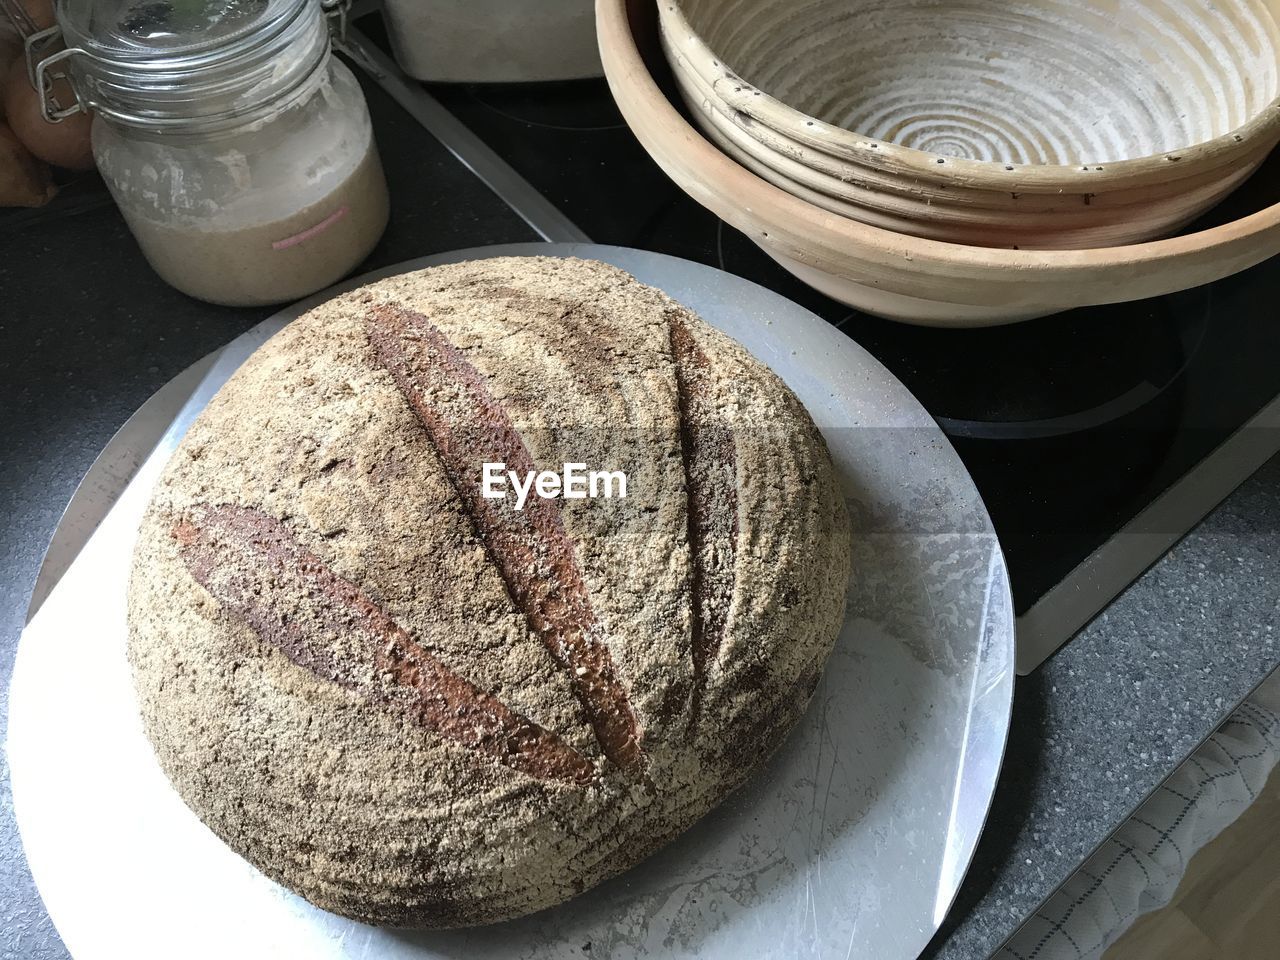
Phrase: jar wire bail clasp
{"type": "Point", "coordinates": [338, 13]}
{"type": "Point", "coordinates": [42, 76]}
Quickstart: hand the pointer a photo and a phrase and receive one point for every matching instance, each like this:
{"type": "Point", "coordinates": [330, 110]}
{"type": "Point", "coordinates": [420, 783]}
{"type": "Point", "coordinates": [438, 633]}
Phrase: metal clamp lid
{"type": "Point", "coordinates": [43, 77]}
{"type": "Point", "coordinates": [211, 64]}
{"type": "Point", "coordinates": [338, 12]}
{"type": "Point", "coordinates": [35, 43]}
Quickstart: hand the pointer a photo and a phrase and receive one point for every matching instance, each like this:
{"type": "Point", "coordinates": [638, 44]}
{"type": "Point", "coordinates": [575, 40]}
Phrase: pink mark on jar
{"type": "Point", "coordinates": [314, 231]}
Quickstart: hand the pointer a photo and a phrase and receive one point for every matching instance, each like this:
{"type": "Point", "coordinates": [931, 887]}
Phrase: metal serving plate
{"type": "Point", "coordinates": [852, 842]}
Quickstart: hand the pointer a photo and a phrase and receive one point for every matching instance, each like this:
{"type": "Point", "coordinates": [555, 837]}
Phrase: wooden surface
{"type": "Point", "coordinates": [1227, 906]}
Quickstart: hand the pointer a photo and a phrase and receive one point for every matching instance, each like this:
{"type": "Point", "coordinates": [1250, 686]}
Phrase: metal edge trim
{"type": "Point", "coordinates": [1106, 573]}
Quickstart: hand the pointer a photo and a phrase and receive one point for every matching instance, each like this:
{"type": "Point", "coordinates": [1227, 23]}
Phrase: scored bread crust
{"type": "Point", "coordinates": [416, 707]}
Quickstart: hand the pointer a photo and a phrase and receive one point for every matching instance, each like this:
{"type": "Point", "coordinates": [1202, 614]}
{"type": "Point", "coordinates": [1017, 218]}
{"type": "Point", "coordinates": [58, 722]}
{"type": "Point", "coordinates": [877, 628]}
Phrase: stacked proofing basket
{"type": "Point", "coordinates": [974, 140]}
{"type": "Point", "coordinates": [1052, 124]}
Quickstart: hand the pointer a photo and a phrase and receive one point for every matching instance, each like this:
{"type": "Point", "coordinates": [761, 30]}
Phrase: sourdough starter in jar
{"type": "Point", "coordinates": [239, 150]}
{"type": "Point", "coordinates": [277, 260]}
{"type": "Point", "coordinates": [258, 216]}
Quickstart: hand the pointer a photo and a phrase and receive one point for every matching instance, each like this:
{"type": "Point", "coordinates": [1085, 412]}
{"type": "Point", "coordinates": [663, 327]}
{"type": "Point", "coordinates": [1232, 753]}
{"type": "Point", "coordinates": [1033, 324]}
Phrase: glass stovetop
{"type": "Point", "coordinates": [1070, 425]}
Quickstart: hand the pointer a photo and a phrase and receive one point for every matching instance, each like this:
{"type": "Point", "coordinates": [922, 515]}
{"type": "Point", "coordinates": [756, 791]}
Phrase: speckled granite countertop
{"type": "Point", "coordinates": [87, 334]}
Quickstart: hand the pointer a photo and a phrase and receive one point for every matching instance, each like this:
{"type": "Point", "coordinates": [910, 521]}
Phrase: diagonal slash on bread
{"type": "Point", "coordinates": [249, 562]}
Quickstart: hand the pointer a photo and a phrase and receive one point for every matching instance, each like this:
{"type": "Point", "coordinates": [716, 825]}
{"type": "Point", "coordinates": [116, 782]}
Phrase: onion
{"type": "Point", "coordinates": [24, 180]}
{"type": "Point", "coordinates": [40, 12]}
{"type": "Point", "coordinates": [64, 144]}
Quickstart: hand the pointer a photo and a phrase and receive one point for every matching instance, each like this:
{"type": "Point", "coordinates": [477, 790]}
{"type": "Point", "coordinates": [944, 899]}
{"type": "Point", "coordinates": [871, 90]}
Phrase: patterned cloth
{"type": "Point", "coordinates": [1137, 870]}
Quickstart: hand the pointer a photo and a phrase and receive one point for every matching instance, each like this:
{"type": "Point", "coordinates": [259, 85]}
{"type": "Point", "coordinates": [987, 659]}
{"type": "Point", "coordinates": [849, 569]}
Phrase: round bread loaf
{"type": "Point", "coordinates": [420, 702]}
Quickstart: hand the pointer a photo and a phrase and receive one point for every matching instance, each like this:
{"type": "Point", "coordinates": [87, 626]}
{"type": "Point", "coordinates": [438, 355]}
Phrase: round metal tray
{"type": "Point", "coordinates": [852, 842]}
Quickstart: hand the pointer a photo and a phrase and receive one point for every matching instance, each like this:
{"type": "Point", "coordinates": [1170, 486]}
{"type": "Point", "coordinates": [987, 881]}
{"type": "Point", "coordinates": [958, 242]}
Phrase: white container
{"type": "Point", "coordinates": [493, 41]}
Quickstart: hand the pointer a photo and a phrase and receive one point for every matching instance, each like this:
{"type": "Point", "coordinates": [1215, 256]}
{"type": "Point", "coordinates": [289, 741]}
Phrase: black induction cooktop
{"type": "Point", "coordinates": [1070, 425]}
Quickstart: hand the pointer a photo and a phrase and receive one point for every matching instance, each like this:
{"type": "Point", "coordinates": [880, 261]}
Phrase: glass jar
{"type": "Point", "coordinates": [237, 147]}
